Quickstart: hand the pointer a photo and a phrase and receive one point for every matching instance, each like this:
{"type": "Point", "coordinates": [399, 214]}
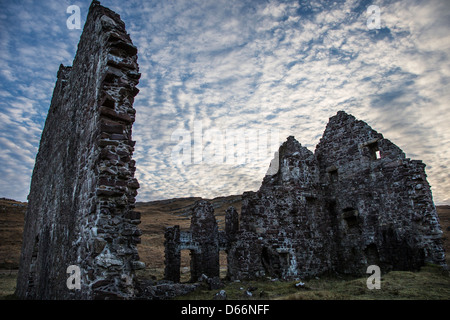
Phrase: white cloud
{"type": "Point", "coordinates": [246, 64]}
{"type": "Point", "coordinates": [253, 82]}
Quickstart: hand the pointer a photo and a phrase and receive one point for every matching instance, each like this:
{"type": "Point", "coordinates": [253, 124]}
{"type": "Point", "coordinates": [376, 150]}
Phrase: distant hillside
{"type": "Point", "coordinates": [12, 214]}
{"type": "Point", "coordinates": [155, 216]}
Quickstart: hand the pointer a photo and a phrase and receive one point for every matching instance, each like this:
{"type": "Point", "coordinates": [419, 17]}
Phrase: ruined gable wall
{"type": "Point", "coordinates": [381, 205]}
{"type": "Point", "coordinates": [82, 193]}
{"type": "Point", "coordinates": [355, 202]}
{"type": "Point", "coordinates": [203, 240]}
{"type": "Point", "coordinates": [283, 228]}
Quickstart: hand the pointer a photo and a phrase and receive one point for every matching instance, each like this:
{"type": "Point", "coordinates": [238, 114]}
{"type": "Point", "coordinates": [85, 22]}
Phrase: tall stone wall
{"type": "Point", "coordinates": [284, 229]}
{"type": "Point", "coordinates": [205, 233]}
{"type": "Point", "coordinates": [203, 240]}
{"type": "Point", "coordinates": [355, 202]}
{"type": "Point", "coordinates": [172, 254]}
{"type": "Point", "coordinates": [380, 200]}
{"type": "Point", "coordinates": [83, 188]}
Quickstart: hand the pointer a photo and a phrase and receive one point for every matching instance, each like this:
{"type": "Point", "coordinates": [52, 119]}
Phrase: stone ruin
{"type": "Point", "coordinates": [203, 240]}
{"type": "Point", "coordinates": [83, 189]}
{"type": "Point", "coordinates": [357, 201]}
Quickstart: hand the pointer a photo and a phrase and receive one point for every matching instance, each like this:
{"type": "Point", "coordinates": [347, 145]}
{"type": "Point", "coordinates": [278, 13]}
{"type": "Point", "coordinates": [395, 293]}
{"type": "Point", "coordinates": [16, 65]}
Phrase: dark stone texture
{"type": "Point", "coordinates": [355, 202]}
{"type": "Point", "coordinates": [172, 254]}
{"type": "Point", "coordinates": [205, 233]}
{"type": "Point", "coordinates": [202, 240]}
{"type": "Point", "coordinates": [82, 192]}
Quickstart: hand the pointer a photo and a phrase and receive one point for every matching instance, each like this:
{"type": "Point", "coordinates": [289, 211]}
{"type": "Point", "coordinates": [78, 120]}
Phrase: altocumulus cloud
{"type": "Point", "coordinates": [255, 69]}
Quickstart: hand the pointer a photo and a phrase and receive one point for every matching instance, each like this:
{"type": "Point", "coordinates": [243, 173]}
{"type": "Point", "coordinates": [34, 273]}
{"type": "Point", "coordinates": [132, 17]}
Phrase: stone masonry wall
{"type": "Point", "coordinates": [203, 240]}
{"type": "Point", "coordinates": [83, 188]}
{"type": "Point", "coordinates": [284, 231]}
{"type": "Point", "coordinates": [355, 202]}
{"type": "Point", "coordinates": [380, 201]}
{"type": "Point", "coordinates": [205, 233]}
{"type": "Point", "coordinates": [172, 254]}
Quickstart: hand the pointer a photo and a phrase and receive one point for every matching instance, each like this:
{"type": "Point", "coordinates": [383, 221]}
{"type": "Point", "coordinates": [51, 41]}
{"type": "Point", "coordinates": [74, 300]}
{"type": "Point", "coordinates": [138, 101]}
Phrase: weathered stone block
{"type": "Point", "coordinates": [111, 128]}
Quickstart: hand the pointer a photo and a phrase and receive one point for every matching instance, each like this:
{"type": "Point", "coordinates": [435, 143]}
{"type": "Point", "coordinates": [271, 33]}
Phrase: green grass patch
{"type": "Point", "coordinates": [7, 285]}
{"type": "Point", "coordinates": [430, 283]}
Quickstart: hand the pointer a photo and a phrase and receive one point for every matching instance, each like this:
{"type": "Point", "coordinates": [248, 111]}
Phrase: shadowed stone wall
{"type": "Point", "coordinates": [357, 201]}
{"type": "Point", "coordinates": [380, 201]}
{"type": "Point", "coordinates": [83, 188]}
{"type": "Point", "coordinates": [203, 240]}
{"type": "Point", "coordinates": [205, 233]}
{"type": "Point", "coordinates": [284, 229]}
{"type": "Point", "coordinates": [172, 254]}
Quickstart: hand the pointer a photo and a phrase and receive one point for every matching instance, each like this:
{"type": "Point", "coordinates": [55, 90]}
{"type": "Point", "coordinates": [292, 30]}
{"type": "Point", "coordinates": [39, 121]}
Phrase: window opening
{"type": "Point", "coordinates": [350, 215]}
{"type": "Point", "coordinates": [374, 151]}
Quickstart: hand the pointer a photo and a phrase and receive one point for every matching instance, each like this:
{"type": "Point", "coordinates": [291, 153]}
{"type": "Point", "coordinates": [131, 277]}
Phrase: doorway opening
{"type": "Point", "coordinates": [185, 266]}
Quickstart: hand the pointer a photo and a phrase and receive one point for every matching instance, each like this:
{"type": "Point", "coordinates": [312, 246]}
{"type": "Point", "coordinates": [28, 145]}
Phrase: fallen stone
{"type": "Point", "coordinates": [221, 295]}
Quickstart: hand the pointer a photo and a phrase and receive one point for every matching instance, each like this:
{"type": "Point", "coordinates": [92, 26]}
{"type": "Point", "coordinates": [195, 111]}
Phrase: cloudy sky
{"type": "Point", "coordinates": [219, 72]}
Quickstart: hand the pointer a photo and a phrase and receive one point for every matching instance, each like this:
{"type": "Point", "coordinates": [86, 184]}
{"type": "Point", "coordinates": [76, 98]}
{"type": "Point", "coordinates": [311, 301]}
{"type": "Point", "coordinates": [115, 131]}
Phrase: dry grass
{"type": "Point", "coordinates": [12, 214]}
{"type": "Point", "coordinates": [7, 284]}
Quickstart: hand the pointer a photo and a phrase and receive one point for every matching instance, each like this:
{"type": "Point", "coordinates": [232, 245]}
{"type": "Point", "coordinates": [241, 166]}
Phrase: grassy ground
{"type": "Point", "coordinates": [430, 283]}
{"type": "Point", "coordinates": [7, 284]}
{"type": "Point", "coordinates": [12, 215]}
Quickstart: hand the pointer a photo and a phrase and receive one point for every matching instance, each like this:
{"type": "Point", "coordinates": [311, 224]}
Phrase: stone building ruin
{"type": "Point", "coordinates": [356, 201]}
{"type": "Point", "coordinates": [204, 240]}
{"type": "Point", "coordinates": [82, 195]}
